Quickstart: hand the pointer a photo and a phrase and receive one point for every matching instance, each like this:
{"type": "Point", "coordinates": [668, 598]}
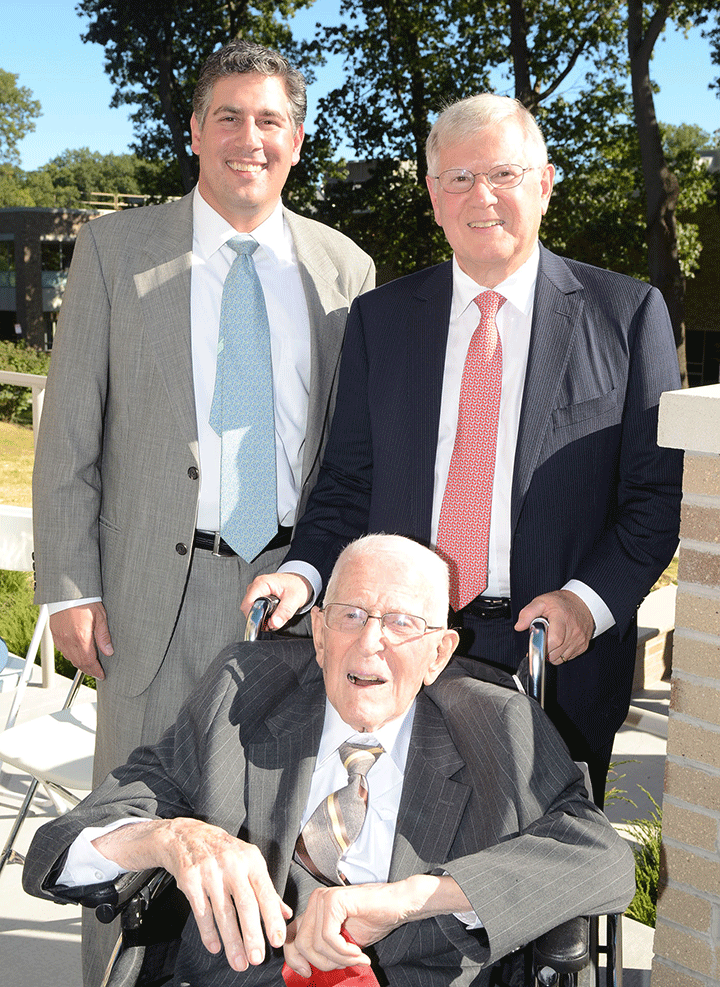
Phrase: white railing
{"type": "Point", "coordinates": [37, 382]}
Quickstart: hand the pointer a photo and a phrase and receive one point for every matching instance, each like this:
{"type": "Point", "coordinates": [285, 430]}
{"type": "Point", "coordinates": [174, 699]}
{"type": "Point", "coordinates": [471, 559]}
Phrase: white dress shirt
{"type": "Point", "coordinates": [279, 273]}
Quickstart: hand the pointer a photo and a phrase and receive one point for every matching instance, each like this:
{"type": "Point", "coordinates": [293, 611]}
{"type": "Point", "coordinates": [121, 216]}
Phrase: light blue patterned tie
{"type": "Point", "coordinates": [242, 410]}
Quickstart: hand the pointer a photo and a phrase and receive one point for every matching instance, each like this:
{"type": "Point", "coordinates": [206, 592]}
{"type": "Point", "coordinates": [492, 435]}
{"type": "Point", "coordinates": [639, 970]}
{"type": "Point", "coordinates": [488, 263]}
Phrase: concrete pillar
{"type": "Point", "coordinates": [687, 935]}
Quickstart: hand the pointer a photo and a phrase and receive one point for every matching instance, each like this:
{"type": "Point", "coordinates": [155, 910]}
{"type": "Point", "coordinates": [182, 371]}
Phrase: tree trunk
{"type": "Point", "coordinates": [661, 185]}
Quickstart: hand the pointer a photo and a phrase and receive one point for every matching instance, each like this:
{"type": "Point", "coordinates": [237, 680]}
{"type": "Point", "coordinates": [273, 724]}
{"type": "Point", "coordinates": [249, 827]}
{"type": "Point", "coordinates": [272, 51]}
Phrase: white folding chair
{"type": "Point", "coordinates": [16, 548]}
{"type": "Point", "coordinates": [57, 751]}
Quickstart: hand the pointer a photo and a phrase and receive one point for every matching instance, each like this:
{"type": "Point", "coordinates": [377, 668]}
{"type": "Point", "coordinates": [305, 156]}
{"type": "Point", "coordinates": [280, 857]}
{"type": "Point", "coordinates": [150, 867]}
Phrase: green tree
{"type": "Point", "coordinates": [645, 23]}
{"type": "Point", "coordinates": [76, 174]}
{"type": "Point", "coordinates": [403, 62]}
{"type": "Point", "coordinates": [153, 53]}
{"type": "Point", "coordinates": [17, 116]}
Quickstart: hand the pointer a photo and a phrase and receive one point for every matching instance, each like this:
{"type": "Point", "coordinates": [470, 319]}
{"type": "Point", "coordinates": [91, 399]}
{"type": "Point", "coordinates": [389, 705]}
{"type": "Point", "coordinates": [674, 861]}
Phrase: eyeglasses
{"type": "Point", "coordinates": [459, 180]}
{"type": "Point", "coordinates": [397, 626]}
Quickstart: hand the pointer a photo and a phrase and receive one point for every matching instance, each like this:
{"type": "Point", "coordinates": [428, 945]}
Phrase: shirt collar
{"type": "Point", "coordinates": [394, 736]}
{"type": "Point", "coordinates": [211, 231]}
{"type": "Point", "coordinates": [519, 288]}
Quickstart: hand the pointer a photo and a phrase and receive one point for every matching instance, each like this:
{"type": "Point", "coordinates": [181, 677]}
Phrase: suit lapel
{"type": "Point", "coordinates": [556, 313]}
{"type": "Point", "coordinates": [163, 286]}
{"type": "Point", "coordinates": [428, 318]}
{"type": "Point", "coordinates": [432, 804]}
{"type": "Point", "coordinates": [280, 768]}
{"type": "Point", "coordinates": [327, 309]}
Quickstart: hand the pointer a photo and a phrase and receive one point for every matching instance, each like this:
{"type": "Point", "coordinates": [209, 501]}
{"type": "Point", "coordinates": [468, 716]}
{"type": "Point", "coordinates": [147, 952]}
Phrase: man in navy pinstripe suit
{"type": "Point", "coordinates": [478, 836]}
{"type": "Point", "coordinates": [585, 506]}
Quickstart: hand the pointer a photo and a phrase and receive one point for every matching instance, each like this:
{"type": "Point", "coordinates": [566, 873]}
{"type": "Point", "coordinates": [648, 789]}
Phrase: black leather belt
{"type": "Point", "coordinates": [210, 542]}
{"type": "Point", "coordinates": [489, 607]}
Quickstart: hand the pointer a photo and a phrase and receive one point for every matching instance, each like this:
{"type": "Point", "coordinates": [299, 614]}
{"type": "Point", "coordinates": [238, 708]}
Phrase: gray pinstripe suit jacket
{"type": "Point", "coordinates": [490, 796]}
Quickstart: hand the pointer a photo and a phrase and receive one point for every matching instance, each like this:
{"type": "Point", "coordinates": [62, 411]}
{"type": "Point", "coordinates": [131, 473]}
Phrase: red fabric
{"type": "Point", "coordinates": [464, 526]}
{"type": "Point", "coordinates": [349, 976]}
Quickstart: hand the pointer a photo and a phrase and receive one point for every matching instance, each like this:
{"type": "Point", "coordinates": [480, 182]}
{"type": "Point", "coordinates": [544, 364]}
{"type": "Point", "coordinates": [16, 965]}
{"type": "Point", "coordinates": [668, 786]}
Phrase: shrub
{"type": "Point", "coordinates": [648, 836]}
{"type": "Point", "coordinates": [16, 402]}
{"type": "Point", "coordinates": [18, 615]}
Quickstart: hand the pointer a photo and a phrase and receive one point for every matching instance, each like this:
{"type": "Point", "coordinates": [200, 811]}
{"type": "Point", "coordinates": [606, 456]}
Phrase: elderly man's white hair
{"type": "Point", "coordinates": [394, 547]}
{"type": "Point", "coordinates": [462, 120]}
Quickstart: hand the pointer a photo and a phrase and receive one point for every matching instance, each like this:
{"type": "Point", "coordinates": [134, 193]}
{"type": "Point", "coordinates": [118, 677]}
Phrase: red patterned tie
{"type": "Point", "coordinates": [464, 527]}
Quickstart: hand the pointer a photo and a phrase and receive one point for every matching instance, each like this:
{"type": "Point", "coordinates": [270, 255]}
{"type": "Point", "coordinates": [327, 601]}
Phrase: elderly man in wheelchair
{"type": "Point", "coordinates": [372, 809]}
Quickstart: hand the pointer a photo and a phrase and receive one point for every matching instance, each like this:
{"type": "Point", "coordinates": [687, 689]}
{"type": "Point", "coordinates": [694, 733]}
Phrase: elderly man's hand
{"type": "Point", "coordinates": [368, 912]}
{"type": "Point", "coordinates": [224, 879]}
{"type": "Point", "coordinates": [293, 592]}
{"type": "Point", "coordinates": [570, 623]}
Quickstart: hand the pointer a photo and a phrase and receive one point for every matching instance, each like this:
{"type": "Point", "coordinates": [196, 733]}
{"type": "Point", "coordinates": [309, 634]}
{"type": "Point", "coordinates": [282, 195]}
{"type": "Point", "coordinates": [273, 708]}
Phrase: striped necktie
{"type": "Point", "coordinates": [336, 822]}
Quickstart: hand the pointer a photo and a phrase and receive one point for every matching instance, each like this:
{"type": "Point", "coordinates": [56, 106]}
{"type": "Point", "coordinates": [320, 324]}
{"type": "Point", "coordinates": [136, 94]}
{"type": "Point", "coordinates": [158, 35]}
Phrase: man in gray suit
{"type": "Point", "coordinates": [127, 478]}
{"type": "Point", "coordinates": [476, 837]}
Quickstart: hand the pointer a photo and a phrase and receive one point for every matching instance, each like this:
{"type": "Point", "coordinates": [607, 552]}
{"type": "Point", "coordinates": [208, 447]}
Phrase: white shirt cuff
{"type": "Point", "coordinates": [602, 616]}
{"type": "Point", "coordinates": [85, 864]}
{"type": "Point", "coordinates": [310, 573]}
{"type": "Point", "coordinates": [68, 604]}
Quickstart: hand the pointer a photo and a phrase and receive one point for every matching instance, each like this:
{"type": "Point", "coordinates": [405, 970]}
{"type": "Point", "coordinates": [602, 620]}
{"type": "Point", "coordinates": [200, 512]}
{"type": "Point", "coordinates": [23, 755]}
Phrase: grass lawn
{"type": "Point", "coordinates": [16, 442]}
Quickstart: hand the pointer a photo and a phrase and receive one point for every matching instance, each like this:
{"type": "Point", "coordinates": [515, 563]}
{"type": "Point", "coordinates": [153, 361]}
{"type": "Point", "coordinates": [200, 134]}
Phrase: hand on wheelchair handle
{"type": "Point", "coordinates": [571, 624]}
{"type": "Point", "coordinates": [292, 591]}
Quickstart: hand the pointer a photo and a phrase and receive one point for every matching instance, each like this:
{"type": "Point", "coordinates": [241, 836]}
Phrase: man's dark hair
{"type": "Point", "coordinates": [240, 57]}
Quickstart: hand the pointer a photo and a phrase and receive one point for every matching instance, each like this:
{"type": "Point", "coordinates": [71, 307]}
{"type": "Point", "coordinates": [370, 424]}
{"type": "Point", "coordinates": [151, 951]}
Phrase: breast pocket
{"type": "Point", "coordinates": [587, 415]}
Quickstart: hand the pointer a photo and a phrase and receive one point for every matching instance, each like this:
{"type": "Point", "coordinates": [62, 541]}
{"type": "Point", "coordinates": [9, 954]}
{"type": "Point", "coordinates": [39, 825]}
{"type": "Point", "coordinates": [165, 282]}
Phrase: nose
{"type": "Point", "coordinates": [372, 635]}
{"type": "Point", "coordinates": [249, 135]}
{"type": "Point", "coordinates": [483, 190]}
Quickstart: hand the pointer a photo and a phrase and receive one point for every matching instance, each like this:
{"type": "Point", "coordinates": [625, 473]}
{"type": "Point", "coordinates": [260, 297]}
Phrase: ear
{"type": "Point", "coordinates": [448, 642]}
{"type": "Point", "coordinates": [432, 189]}
{"type": "Point", "coordinates": [318, 630]}
{"type": "Point", "coordinates": [195, 129]}
{"type": "Point", "coordinates": [547, 178]}
{"type": "Point", "coordinates": [298, 138]}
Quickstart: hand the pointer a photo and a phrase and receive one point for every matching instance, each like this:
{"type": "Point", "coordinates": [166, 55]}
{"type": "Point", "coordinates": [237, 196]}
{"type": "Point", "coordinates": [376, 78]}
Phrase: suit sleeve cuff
{"type": "Point", "coordinates": [68, 604]}
{"type": "Point", "coordinates": [310, 573]}
{"type": "Point", "coordinates": [602, 616]}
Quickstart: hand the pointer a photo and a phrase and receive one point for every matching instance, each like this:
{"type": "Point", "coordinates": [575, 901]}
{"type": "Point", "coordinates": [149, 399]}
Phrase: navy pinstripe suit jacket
{"type": "Point", "coordinates": [593, 496]}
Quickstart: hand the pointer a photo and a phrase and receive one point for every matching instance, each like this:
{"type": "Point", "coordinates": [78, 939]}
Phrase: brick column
{"type": "Point", "coordinates": [687, 936]}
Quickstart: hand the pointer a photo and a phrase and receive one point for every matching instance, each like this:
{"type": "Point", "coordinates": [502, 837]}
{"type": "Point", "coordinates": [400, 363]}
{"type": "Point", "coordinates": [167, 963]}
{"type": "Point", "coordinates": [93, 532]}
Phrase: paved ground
{"type": "Point", "coordinates": [39, 941]}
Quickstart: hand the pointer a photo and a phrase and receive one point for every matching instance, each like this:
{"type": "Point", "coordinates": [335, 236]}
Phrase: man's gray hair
{"type": "Point", "coordinates": [462, 120]}
{"type": "Point", "coordinates": [397, 547]}
{"type": "Point", "coordinates": [240, 57]}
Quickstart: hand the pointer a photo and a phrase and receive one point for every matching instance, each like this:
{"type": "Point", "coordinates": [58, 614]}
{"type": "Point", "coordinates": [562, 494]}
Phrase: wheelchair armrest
{"type": "Point", "coordinates": [109, 899]}
{"type": "Point", "coordinates": [566, 949]}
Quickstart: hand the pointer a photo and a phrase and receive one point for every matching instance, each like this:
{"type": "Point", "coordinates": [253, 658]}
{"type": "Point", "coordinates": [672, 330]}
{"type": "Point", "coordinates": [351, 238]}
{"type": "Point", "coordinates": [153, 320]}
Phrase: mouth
{"type": "Point", "coordinates": [486, 225]}
{"type": "Point", "coordinates": [365, 681]}
{"type": "Point", "coordinates": [252, 169]}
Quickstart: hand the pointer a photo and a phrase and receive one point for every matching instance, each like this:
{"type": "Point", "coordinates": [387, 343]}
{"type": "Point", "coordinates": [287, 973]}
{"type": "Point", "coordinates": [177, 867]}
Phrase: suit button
{"type": "Point", "coordinates": [193, 472]}
{"type": "Point", "coordinates": [181, 549]}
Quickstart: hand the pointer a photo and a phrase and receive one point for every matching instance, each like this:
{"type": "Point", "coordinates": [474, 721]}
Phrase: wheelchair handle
{"type": "Point", "coordinates": [537, 654]}
{"type": "Point", "coordinates": [261, 609]}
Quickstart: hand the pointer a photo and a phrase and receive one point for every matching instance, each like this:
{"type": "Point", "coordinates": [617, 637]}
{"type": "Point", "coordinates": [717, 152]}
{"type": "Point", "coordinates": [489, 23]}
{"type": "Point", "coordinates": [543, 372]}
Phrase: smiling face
{"type": "Point", "coordinates": [492, 231]}
{"type": "Point", "coordinates": [368, 680]}
{"type": "Point", "coordinates": [246, 147]}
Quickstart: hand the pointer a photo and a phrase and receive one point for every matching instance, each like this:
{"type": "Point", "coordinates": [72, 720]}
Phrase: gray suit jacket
{"type": "Point", "coordinates": [116, 470]}
{"type": "Point", "coordinates": [490, 797]}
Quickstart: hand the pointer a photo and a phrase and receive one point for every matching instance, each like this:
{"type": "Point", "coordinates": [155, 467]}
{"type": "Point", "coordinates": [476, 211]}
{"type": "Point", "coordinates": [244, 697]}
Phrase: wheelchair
{"type": "Point", "coordinates": [153, 911]}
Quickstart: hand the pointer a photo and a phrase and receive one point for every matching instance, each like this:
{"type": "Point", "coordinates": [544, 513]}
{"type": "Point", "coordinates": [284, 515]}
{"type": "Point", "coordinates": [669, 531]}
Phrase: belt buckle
{"type": "Point", "coordinates": [216, 544]}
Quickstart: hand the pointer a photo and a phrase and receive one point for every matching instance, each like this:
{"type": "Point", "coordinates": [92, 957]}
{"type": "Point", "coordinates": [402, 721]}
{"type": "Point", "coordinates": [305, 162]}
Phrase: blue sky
{"type": "Point", "coordinates": [40, 41]}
